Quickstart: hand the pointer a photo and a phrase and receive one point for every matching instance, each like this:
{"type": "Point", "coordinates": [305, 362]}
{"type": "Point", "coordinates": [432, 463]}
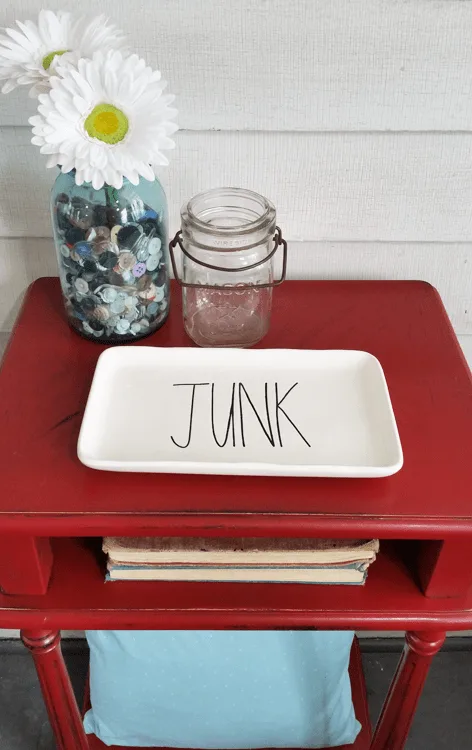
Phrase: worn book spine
{"type": "Point", "coordinates": [349, 574]}
{"type": "Point", "coordinates": [249, 551]}
{"type": "Point", "coordinates": [349, 564]}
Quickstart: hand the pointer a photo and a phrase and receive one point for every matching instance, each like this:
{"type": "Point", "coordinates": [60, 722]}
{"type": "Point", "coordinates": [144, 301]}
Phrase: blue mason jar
{"type": "Point", "coordinates": [112, 254]}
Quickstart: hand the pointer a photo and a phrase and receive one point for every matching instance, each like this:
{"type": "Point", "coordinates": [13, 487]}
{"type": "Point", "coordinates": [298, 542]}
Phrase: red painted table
{"type": "Point", "coordinates": [52, 577]}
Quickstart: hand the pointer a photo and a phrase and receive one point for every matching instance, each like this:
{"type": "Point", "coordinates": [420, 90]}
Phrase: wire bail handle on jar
{"type": "Point", "coordinates": [278, 240]}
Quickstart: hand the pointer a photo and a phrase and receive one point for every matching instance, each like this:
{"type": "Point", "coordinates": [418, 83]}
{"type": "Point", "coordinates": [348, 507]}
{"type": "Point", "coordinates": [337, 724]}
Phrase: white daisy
{"type": "Point", "coordinates": [31, 55]}
{"type": "Point", "coordinates": [107, 119]}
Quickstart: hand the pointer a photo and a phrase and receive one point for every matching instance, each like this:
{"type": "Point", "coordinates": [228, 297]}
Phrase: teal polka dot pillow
{"type": "Point", "coordinates": [221, 689]}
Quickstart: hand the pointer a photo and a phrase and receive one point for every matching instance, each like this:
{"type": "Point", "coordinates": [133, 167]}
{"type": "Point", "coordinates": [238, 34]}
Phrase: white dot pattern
{"type": "Point", "coordinates": [221, 689]}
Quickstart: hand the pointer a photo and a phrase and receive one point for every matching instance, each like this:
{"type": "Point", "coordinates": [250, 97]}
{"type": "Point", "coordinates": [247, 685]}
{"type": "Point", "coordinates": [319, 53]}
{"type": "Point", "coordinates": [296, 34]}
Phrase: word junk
{"type": "Point", "coordinates": [241, 406]}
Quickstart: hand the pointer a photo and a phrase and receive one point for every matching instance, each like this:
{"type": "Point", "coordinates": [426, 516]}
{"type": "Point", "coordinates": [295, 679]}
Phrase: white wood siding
{"type": "Point", "coordinates": [354, 117]}
{"type": "Point", "coordinates": [297, 64]}
{"type": "Point", "coordinates": [331, 186]}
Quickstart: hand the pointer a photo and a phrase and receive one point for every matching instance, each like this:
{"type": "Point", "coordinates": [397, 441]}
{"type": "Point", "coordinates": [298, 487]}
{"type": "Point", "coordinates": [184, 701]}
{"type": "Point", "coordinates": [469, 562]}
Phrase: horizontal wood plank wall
{"type": "Point", "coordinates": [353, 117]}
{"type": "Point", "coordinates": [296, 64]}
{"type": "Point", "coordinates": [344, 186]}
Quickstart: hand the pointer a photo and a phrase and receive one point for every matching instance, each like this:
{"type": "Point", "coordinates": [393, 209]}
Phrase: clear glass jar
{"type": "Point", "coordinates": [228, 241]}
{"type": "Point", "coordinates": [111, 249]}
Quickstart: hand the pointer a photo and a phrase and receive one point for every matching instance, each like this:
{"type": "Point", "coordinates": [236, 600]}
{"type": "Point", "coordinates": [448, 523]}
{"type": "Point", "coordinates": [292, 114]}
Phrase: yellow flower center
{"type": "Point", "coordinates": [47, 59]}
{"type": "Point", "coordinates": [107, 123]}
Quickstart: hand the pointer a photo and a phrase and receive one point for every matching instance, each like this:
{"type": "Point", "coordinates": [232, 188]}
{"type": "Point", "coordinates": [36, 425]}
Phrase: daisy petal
{"type": "Point", "coordinates": [30, 31]}
{"type": "Point", "coordinates": [8, 86]}
{"type": "Point", "coordinates": [105, 117]}
{"type": "Point", "coordinates": [23, 50]}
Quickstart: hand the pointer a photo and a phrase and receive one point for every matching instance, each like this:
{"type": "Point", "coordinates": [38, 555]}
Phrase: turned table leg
{"type": "Point", "coordinates": [405, 690]}
{"type": "Point", "coordinates": [64, 714]}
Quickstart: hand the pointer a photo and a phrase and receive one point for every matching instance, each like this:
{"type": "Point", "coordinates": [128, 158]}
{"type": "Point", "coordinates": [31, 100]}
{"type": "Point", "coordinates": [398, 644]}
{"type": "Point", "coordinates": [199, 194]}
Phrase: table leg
{"type": "Point", "coordinates": [64, 714]}
{"type": "Point", "coordinates": [405, 690]}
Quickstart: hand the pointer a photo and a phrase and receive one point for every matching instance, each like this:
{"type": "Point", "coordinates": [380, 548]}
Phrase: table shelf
{"type": "Point", "coordinates": [78, 598]}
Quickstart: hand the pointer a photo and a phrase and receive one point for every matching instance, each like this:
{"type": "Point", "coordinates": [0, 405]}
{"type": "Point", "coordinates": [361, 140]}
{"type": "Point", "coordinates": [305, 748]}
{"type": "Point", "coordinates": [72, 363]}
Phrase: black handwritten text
{"type": "Point", "coordinates": [271, 419]}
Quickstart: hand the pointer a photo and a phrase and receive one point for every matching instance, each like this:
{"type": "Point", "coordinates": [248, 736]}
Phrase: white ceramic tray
{"type": "Point", "coordinates": [237, 411]}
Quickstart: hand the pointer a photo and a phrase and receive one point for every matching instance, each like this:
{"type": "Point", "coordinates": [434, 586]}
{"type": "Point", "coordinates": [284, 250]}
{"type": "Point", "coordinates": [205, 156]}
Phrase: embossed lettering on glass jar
{"type": "Point", "coordinates": [229, 241]}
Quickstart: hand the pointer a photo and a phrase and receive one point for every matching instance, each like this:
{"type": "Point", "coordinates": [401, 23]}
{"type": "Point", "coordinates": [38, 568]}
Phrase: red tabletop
{"type": "Point", "coordinates": [45, 379]}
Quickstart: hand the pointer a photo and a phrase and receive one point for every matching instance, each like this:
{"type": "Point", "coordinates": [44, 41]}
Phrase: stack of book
{"type": "Point", "coordinates": [338, 561]}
